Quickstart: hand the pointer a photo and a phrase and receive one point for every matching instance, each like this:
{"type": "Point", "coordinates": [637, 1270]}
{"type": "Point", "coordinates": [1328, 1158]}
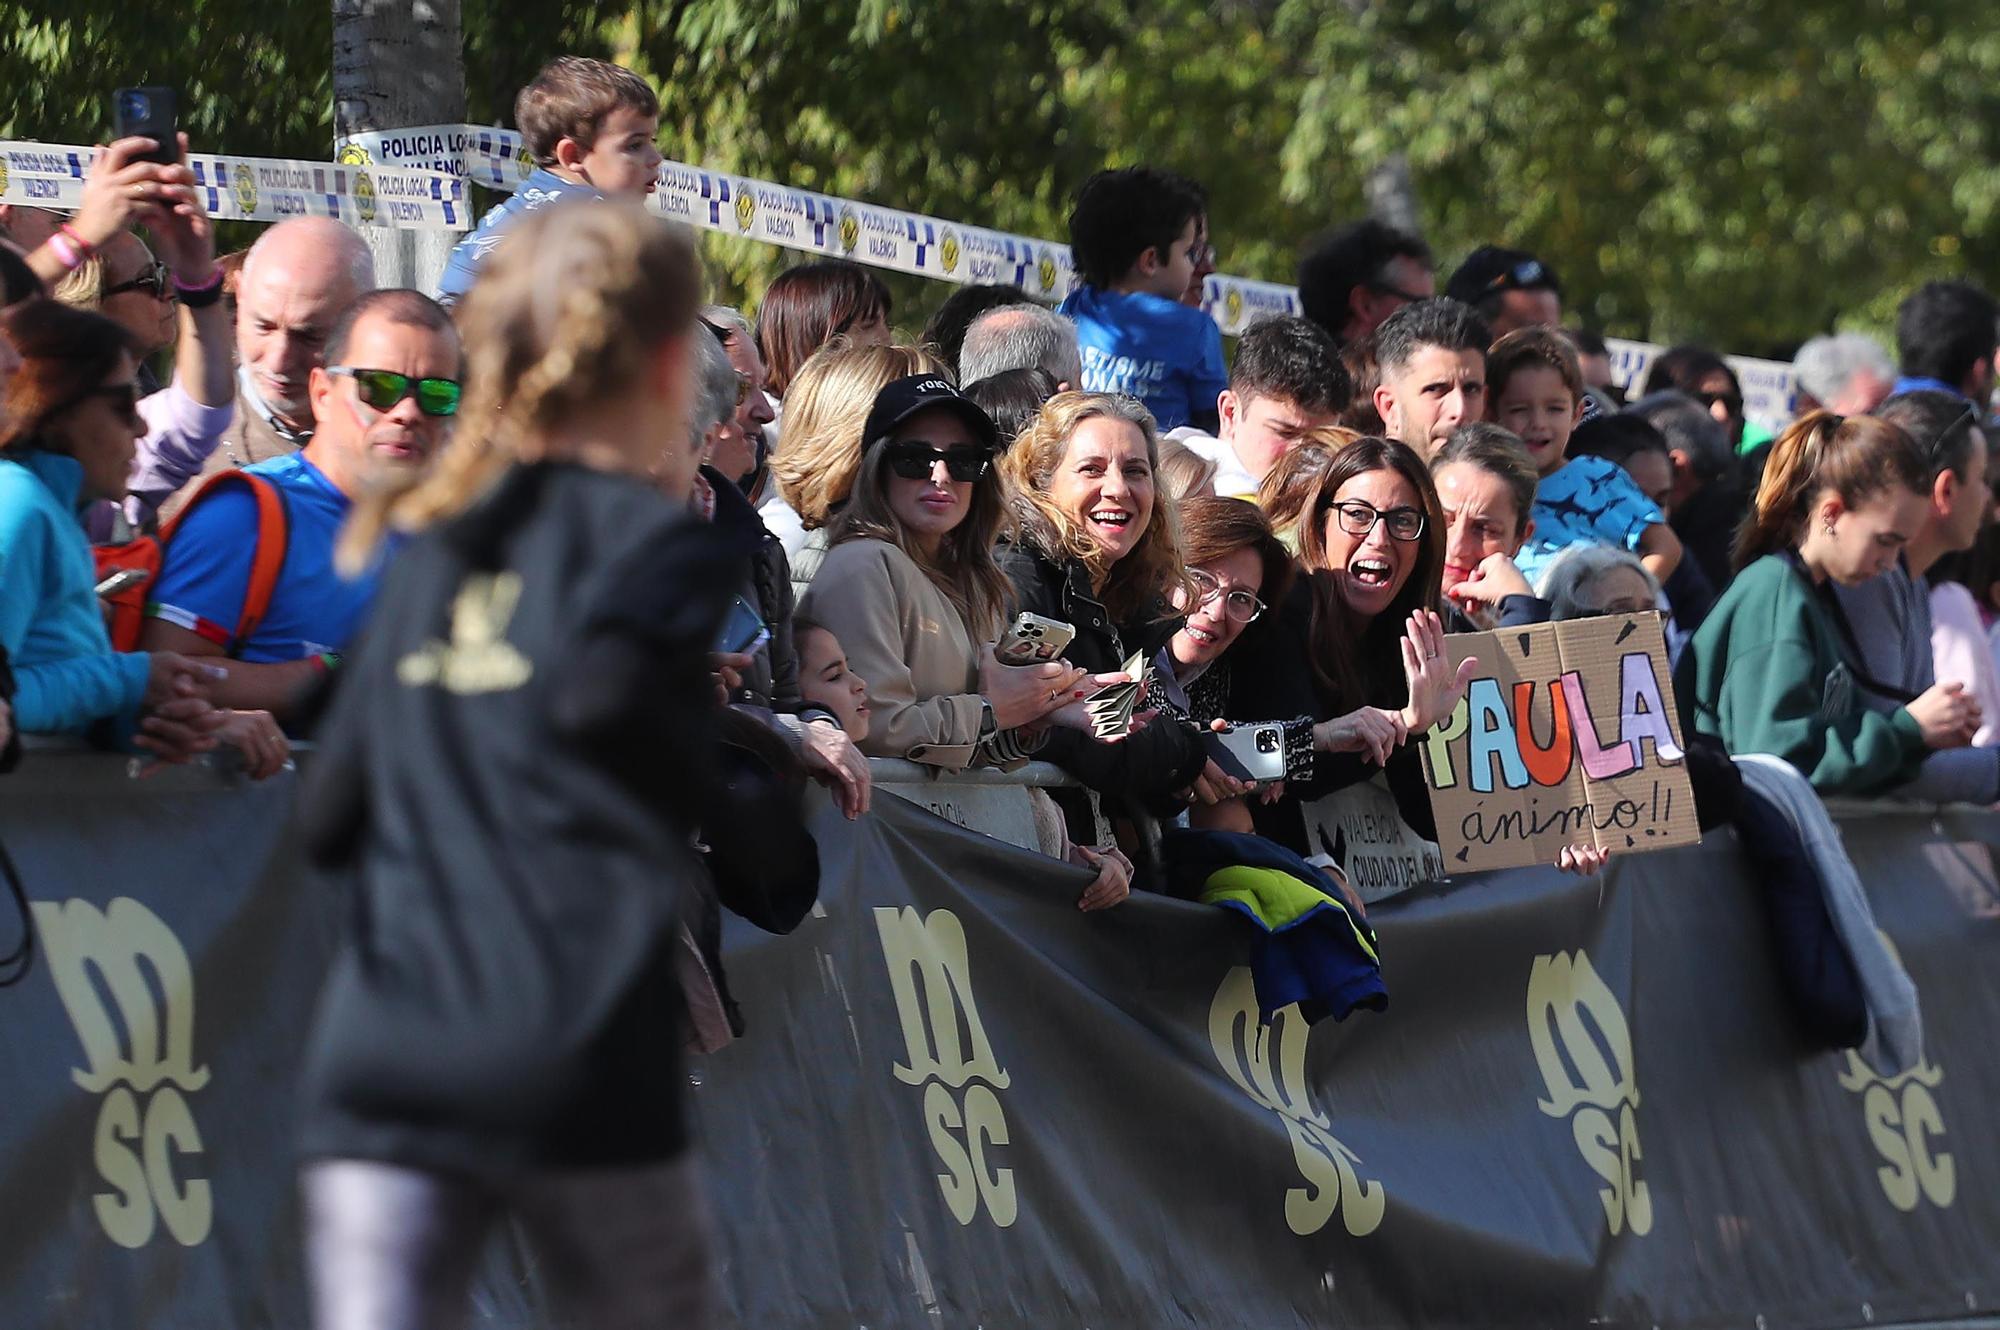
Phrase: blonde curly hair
{"type": "Point", "coordinates": [1136, 586]}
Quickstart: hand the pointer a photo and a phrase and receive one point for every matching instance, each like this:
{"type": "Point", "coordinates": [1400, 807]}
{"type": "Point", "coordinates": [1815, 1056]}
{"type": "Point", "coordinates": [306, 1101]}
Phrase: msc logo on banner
{"type": "Point", "coordinates": [1268, 1063]}
{"type": "Point", "coordinates": [1563, 990]}
{"type": "Point", "coordinates": [138, 1052]}
{"type": "Point", "coordinates": [1906, 1126]}
{"type": "Point", "coordinates": [931, 976]}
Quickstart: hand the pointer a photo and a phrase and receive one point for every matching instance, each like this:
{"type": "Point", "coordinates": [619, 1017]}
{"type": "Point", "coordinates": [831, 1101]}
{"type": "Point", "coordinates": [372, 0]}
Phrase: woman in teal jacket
{"type": "Point", "coordinates": [1766, 673]}
{"type": "Point", "coordinates": [68, 431]}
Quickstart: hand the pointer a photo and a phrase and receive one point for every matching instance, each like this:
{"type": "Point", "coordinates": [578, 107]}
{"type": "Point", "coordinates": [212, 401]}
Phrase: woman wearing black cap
{"type": "Point", "coordinates": [911, 589]}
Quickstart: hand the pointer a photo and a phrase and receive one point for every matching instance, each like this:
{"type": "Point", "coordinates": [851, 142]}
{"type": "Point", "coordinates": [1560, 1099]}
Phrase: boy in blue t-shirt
{"type": "Point", "coordinates": [1536, 387]}
{"type": "Point", "coordinates": [1136, 238]}
{"type": "Point", "coordinates": [591, 128]}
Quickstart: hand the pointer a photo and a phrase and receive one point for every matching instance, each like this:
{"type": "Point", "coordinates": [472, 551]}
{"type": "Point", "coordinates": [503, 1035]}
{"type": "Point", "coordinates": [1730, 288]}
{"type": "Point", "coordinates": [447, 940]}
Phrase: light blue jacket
{"type": "Point", "coordinates": [536, 192]}
{"type": "Point", "coordinates": [50, 621]}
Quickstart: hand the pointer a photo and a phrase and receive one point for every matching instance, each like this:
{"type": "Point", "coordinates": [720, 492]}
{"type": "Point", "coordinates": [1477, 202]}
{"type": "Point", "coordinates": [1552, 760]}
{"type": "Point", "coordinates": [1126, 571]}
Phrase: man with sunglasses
{"type": "Point", "coordinates": [1510, 288]}
{"type": "Point", "coordinates": [382, 406]}
{"type": "Point", "coordinates": [1886, 621]}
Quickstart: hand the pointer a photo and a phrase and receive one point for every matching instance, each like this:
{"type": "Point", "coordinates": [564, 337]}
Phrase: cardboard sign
{"type": "Point", "coordinates": [1380, 853]}
{"type": "Point", "coordinates": [1567, 735]}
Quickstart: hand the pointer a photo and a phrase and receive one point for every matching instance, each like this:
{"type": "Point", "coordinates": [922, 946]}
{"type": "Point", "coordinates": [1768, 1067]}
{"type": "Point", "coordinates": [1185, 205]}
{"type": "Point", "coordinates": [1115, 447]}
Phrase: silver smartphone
{"type": "Point", "coordinates": [1253, 752]}
{"type": "Point", "coordinates": [1033, 640]}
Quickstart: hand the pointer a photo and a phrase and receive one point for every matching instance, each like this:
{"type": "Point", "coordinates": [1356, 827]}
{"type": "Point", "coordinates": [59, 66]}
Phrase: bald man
{"type": "Point", "coordinates": [297, 281]}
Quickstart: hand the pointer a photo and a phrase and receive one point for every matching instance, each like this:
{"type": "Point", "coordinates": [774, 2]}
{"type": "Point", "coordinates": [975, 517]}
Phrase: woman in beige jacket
{"type": "Point", "coordinates": [911, 589]}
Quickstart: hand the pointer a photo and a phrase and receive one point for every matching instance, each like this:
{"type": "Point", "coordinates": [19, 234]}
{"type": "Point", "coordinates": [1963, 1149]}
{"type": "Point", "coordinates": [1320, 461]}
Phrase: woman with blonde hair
{"type": "Point", "coordinates": [1767, 671]}
{"type": "Point", "coordinates": [819, 450]}
{"type": "Point", "coordinates": [911, 589]}
{"type": "Point", "coordinates": [512, 775]}
{"type": "Point", "coordinates": [1099, 549]}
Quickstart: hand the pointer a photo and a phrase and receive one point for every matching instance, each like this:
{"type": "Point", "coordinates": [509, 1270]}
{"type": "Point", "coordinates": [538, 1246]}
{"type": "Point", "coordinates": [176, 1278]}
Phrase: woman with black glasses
{"type": "Point", "coordinates": [1358, 644]}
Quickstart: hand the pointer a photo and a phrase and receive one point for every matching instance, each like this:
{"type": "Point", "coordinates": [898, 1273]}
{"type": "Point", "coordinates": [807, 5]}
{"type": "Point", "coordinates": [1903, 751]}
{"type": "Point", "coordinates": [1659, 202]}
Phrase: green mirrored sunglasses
{"type": "Point", "coordinates": [383, 388]}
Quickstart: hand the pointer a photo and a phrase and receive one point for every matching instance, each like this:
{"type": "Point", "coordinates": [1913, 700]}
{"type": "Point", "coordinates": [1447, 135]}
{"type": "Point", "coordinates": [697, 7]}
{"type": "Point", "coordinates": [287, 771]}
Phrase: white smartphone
{"type": "Point", "coordinates": [1033, 640]}
{"type": "Point", "coordinates": [1249, 752]}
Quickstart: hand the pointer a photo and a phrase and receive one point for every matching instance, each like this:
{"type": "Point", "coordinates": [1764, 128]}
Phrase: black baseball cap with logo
{"type": "Point", "coordinates": [902, 399]}
{"type": "Point", "coordinates": [1491, 268]}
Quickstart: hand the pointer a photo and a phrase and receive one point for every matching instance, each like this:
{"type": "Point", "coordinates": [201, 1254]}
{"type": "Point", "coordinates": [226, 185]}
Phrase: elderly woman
{"type": "Point", "coordinates": [1585, 581]}
{"type": "Point", "coordinates": [764, 677]}
{"type": "Point", "coordinates": [1099, 550]}
{"type": "Point", "coordinates": [911, 590]}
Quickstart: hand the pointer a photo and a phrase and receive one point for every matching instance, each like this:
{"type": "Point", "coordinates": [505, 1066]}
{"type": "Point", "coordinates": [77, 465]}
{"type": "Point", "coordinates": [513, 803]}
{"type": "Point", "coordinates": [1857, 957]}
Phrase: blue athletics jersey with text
{"type": "Point", "coordinates": [1588, 501]}
{"type": "Point", "coordinates": [1157, 350]}
{"type": "Point", "coordinates": [206, 569]}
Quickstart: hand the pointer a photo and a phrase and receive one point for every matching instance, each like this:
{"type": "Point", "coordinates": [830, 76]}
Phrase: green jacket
{"type": "Point", "coordinates": [1764, 674]}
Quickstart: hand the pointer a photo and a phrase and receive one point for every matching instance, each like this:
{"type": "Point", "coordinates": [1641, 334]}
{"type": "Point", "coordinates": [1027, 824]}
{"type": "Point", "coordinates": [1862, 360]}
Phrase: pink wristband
{"type": "Point", "coordinates": [65, 251]}
{"type": "Point", "coordinates": [214, 280]}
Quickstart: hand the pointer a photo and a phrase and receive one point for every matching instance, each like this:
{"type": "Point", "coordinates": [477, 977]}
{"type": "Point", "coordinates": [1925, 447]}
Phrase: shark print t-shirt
{"type": "Point", "coordinates": [1589, 501]}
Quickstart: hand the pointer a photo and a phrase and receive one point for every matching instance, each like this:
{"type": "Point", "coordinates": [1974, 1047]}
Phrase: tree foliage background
{"type": "Point", "coordinates": [1738, 171]}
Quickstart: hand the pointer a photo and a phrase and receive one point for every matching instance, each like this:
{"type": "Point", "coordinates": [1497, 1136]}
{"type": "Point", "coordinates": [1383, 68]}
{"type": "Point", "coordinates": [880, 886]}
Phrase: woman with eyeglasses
{"type": "Point", "coordinates": [911, 589]}
{"type": "Point", "coordinates": [1236, 567]}
{"type": "Point", "coordinates": [1358, 644]}
{"type": "Point", "coordinates": [174, 300]}
{"type": "Point", "coordinates": [1099, 550]}
{"type": "Point", "coordinates": [68, 429]}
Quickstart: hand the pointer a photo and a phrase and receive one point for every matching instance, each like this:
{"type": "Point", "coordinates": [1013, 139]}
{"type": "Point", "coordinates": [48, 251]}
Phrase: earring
{"type": "Point", "coordinates": [1828, 528]}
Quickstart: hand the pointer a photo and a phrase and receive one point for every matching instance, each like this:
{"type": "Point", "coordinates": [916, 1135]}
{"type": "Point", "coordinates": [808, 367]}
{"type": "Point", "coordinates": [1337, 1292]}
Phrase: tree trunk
{"type": "Point", "coordinates": [1392, 195]}
{"type": "Point", "coordinates": [397, 64]}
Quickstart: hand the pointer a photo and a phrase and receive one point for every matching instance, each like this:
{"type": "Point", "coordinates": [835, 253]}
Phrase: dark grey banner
{"type": "Point", "coordinates": [962, 1102]}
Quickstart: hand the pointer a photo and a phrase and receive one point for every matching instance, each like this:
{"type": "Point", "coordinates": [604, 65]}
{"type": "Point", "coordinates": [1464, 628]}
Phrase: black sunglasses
{"type": "Point", "coordinates": [1733, 402]}
{"type": "Point", "coordinates": [912, 459]}
{"type": "Point", "coordinates": [383, 388]}
{"type": "Point", "coordinates": [157, 281]}
{"type": "Point", "coordinates": [124, 399]}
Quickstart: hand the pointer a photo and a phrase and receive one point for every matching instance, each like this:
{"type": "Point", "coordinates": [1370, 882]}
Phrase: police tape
{"type": "Point", "coordinates": [416, 178]}
{"type": "Point", "coordinates": [258, 189]}
{"type": "Point", "coordinates": [800, 219]}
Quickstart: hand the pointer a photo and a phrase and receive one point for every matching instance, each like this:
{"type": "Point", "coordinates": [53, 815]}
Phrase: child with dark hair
{"type": "Point", "coordinates": [1288, 380]}
{"type": "Point", "coordinates": [1537, 392]}
{"type": "Point", "coordinates": [1136, 238]}
{"type": "Point", "coordinates": [590, 126]}
{"type": "Point", "coordinates": [1631, 442]}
